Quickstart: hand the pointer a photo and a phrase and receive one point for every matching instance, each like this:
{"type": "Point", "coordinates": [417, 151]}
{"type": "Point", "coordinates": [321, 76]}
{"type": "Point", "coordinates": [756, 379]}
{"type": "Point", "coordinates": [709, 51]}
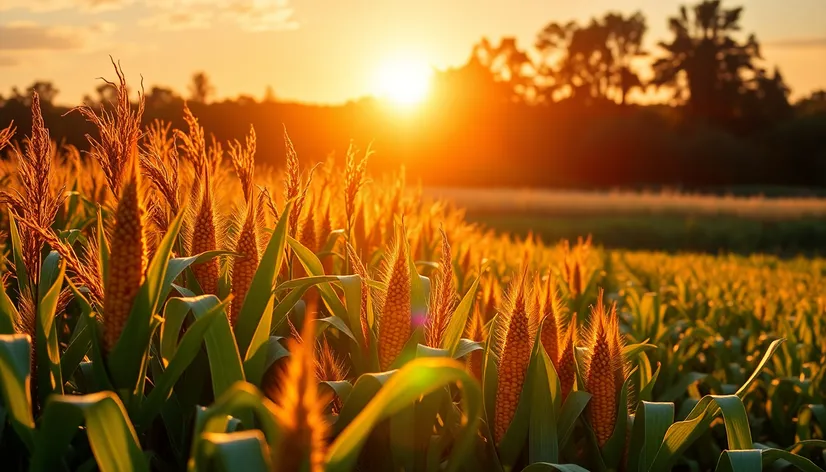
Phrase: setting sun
{"type": "Point", "coordinates": [403, 80]}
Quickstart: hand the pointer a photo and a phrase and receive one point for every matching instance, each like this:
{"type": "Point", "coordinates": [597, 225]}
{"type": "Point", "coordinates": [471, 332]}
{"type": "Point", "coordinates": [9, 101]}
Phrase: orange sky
{"type": "Point", "coordinates": [328, 51]}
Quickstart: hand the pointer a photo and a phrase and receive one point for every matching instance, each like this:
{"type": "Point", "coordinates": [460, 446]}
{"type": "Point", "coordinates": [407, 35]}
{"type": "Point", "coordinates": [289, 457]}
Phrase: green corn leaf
{"type": "Point", "coordinates": [632, 350]}
{"type": "Point", "coordinates": [98, 368]}
{"type": "Point", "coordinates": [739, 461]}
{"type": "Point", "coordinates": [8, 313]}
{"type": "Point", "coordinates": [490, 377]}
{"type": "Point", "coordinates": [674, 392]}
{"type": "Point", "coordinates": [546, 397]}
{"type": "Point", "coordinates": [546, 467]}
{"type": "Point", "coordinates": [127, 360]}
{"type": "Point", "coordinates": [275, 351]}
{"type": "Point", "coordinates": [183, 355]}
{"type": "Point", "coordinates": [771, 455]}
{"type": "Point", "coordinates": [341, 388]}
{"type": "Point", "coordinates": [313, 266]}
{"type": "Point", "coordinates": [49, 373]}
{"type": "Point", "coordinates": [21, 273]}
{"type": "Point", "coordinates": [544, 444]}
{"type": "Point", "coordinates": [365, 388]}
{"type": "Point", "coordinates": [111, 435]}
{"type": "Point", "coordinates": [241, 451]}
{"type": "Point", "coordinates": [256, 358]}
{"type": "Point", "coordinates": [651, 422]}
{"type": "Point", "coordinates": [683, 433]}
{"type": "Point", "coordinates": [458, 319]}
{"type": "Point", "coordinates": [235, 401]}
{"type": "Point", "coordinates": [177, 266]}
{"type": "Point", "coordinates": [573, 407]}
{"type": "Point", "coordinates": [614, 448]}
{"type": "Point", "coordinates": [337, 323]}
{"type": "Point", "coordinates": [103, 246]}
{"type": "Point", "coordinates": [647, 390]}
{"type": "Point", "coordinates": [14, 385]}
{"type": "Point", "coordinates": [254, 305]}
{"type": "Point", "coordinates": [79, 344]}
{"type": "Point", "coordinates": [419, 377]}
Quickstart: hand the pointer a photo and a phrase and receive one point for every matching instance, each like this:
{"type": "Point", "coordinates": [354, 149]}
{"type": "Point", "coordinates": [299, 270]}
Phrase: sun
{"type": "Point", "coordinates": [404, 81]}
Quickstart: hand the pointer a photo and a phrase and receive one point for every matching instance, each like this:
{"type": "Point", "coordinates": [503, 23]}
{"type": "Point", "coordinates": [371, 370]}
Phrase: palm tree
{"type": "Point", "coordinates": [705, 61]}
{"type": "Point", "coordinates": [509, 65]}
{"type": "Point", "coordinates": [625, 43]}
{"type": "Point", "coordinates": [584, 68]}
{"type": "Point", "coordinates": [595, 60]}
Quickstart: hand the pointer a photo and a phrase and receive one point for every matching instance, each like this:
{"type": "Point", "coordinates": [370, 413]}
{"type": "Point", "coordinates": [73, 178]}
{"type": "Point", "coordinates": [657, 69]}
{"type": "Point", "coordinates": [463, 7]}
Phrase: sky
{"type": "Point", "coordinates": [330, 51]}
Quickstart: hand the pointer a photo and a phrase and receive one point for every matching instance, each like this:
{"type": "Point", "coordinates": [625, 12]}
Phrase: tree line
{"type": "Point", "coordinates": [577, 108]}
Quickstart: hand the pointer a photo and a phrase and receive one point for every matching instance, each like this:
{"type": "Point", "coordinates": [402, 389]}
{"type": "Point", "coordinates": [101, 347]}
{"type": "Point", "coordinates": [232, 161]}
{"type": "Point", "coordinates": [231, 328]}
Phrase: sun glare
{"type": "Point", "coordinates": [404, 81]}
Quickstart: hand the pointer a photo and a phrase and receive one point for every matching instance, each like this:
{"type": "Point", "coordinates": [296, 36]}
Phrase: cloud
{"type": "Point", "coordinates": [266, 15]}
{"type": "Point", "coordinates": [249, 15]}
{"type": "Point", "coordinates": [8, 61]}
{"type": "Point", "coordinates": [179, 20]}
{"type": "Point", "coordinates": [39, 6]}
{"type": "Point", "coordinates": [27, 37]}
{"type": "Point", "coordinates": [797, 43]}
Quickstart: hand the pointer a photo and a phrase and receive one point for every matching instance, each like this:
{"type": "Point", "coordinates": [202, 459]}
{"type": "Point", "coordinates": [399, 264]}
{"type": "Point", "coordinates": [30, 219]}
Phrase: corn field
{"type": "Point", "coordinates": [169, 305]}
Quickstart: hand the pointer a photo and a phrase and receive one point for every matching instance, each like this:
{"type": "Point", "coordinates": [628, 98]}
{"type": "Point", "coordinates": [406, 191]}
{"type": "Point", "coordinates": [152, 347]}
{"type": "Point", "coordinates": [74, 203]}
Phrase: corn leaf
{"type": "Point", "coordinates": [111, 435]}
{"type": "Point", "coordinates": [546, 467]}
{"type": "Point", "coordinates": [244, 450]}
{"type": "Point", "coordinates": [8, 313]}
{"type": "Point", "coordinates": [49, 373]}
{"type": "Point", "coordinates": [127, 361]}
{"type": "Point", "coordinates": [79, 344]}
{"type": "Point", "coordinates": [419, 377]}
{"type": "Point", "coordinates": [235, 401]}
{"type": "Point", "coordinates": [651, 422]}
{"type": "Point", "coordinates": [15, 350]}
{"type": "Point", "coordinates": [458, 320]}
{"type": "Point", "coordinates": [739, 461]}
{"type": "Point", "coordinates": [21, 273]}
{"type": "Point", "coordinates": [182, 356]}
{"type": "Point", "coordinates": [683, 433]}
{"type": "Point", "coordinates": [254, 305]}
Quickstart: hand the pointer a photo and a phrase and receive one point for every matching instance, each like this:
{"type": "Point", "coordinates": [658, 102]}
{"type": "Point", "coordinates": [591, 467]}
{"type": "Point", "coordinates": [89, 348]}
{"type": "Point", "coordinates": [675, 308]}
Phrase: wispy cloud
{"type": "Point", "coordinates": [8, 61]}
{"type": "Point", "coordinates": [797, 43]}
{"type": "Point", "coordinates": [23, 41]}
{"type": "Point", "coordinates": [30, 36]}
{"type": "Point", "coordinates": [39, 6]}
{"type": "Point", "coordinates": [179, 20]}
{"type": "Point", "coordinates": [249, 15]}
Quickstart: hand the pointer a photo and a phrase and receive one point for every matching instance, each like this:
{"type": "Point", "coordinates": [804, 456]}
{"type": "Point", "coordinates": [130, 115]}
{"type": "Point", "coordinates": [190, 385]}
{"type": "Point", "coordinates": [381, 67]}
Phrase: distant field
{"type": "Point", "coordinates": [663, 221]}
{"type": "Point", "coordinates": [581, 203]}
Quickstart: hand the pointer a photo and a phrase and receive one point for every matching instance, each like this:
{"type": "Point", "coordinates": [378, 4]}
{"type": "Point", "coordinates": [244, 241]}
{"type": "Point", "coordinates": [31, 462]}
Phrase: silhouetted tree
{"type": "Point", "coordinates": [161, 97]}
{"type": "Point", "coordinates": [814, 104]}
{"type": "Point", "coordinates": [245, 99]}
{"type": "Point", "coordinates": [625, 37]}
{"type": "Point", "coordinates": [106, 94]}
{"type": "Point", "coordinates": [200, 89]}
{"type": "Point", "coordinates": [582, 71]}
{"type": "Point", "coordinates": [705, 61]}
{"type": "Point", "coordinates": [269, 95]}
{"type": "Point", "coordinates": [472, 82]}
{"type": "Point", "coordinates": [593, 62]}
{"type": "Point", "coordinates": [509, 65]}
{"type": "Point", "coordinates": [46, 90]}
